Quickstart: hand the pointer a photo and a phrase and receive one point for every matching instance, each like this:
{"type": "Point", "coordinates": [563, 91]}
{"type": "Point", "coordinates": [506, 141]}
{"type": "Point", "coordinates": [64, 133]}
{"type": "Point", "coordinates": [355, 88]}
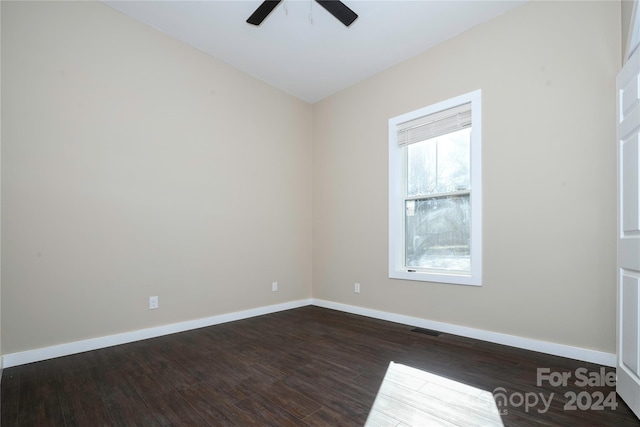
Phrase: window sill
{"type": "Point", "coordinates": [421, 276]}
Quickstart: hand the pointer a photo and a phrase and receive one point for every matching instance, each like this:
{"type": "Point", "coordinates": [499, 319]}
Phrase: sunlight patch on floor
{"type": "Point", "coordinates": [413, 397]}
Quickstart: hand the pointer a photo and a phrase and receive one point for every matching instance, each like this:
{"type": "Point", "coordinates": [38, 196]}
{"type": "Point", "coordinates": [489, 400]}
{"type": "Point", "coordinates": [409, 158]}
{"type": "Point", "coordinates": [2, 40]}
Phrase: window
{"type": "Point", "coordinates": [435, 190]}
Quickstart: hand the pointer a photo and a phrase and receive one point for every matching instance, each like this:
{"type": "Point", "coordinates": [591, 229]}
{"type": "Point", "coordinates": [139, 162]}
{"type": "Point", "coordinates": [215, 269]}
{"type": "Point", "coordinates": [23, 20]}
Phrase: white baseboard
{"type": "Point", "coordinates": [23, 357]}
{"type": "Point", "coordinates": [578, 353]}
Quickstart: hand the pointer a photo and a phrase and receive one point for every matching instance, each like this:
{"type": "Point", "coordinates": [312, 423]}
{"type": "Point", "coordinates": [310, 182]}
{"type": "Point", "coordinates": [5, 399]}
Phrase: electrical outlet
{"type": "Point", "coordinates": [274, 287]}
{"type": "Point", "coordinates": [153, 303]}
{"type": "Point", "coordinates": [356, 288]}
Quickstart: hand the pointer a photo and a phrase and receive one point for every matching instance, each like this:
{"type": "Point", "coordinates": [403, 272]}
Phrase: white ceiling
{"type": "Point", "coordinates": [303, 50]}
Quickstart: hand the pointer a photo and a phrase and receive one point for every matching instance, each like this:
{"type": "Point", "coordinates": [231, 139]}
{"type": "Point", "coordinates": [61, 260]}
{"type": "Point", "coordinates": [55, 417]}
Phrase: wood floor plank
{"type": "Point", "coordinates": [379, 419]}
{"type": "Point", "coordinates": [216, 408]}
{"type": "Point", "coordinates": [303, 367]}
{"type": "Point", "coordinates": [297, 404]}
{"type": "Point", "coordinates": [266, 413]}
{"type": "Point", "coordinates": [338, 399]}
{"type": "Point", "coordinates": [478, 404]}
{"type": "Point", "coordinates": [42, 402]}
{"type": "Point", "coordinates": [84, 408]}
{"type": "Point", "coordinates": [335, 417]}
{"type": "Point", "coordinates": [422, 402]}
{"type": "Point", "coordinates": [172, 409]}
{"type": "Point", "coordinates": [410, 414]}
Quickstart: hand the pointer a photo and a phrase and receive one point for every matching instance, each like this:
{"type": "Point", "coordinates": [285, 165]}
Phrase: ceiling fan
{"type": "Point", "coordinates": [334, 7]}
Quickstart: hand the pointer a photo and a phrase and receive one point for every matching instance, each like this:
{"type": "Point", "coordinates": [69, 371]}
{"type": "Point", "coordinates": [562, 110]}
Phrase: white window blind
{"type": "Point", "coordinates": [434, 125]}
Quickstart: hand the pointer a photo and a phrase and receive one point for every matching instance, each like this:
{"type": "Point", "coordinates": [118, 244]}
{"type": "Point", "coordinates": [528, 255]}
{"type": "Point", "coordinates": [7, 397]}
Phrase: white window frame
{"type": "Point", "coordinates": [397, 172]}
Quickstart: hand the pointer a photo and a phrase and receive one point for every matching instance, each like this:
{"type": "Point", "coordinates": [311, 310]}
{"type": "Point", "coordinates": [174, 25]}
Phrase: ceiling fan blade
{"type": "Point", "coordinates": [339, 10]}
{"type": "Point", "coordinates": [262, 11]}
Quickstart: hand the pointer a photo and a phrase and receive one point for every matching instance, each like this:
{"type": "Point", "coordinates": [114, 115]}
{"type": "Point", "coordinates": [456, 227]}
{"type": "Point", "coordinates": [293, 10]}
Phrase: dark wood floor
{"type": "Point", "coordinates": [304, 367]}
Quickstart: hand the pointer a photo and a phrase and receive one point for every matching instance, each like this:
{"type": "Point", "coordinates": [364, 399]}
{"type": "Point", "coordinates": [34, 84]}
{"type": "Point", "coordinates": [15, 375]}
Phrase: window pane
{"type": "Point", "coordinates": [438, 233]}
{"type": "Point", "coordinates": [439, 165]}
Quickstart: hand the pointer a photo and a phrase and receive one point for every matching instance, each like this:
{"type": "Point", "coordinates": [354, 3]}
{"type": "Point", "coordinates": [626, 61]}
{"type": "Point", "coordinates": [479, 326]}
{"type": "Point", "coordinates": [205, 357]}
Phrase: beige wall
{"type": "Point", "coordinates": [627, 16]}
{"type": "Point", "coordinates": [547, 74]}
{"type": "Point", "coordinates": [133, 166]}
